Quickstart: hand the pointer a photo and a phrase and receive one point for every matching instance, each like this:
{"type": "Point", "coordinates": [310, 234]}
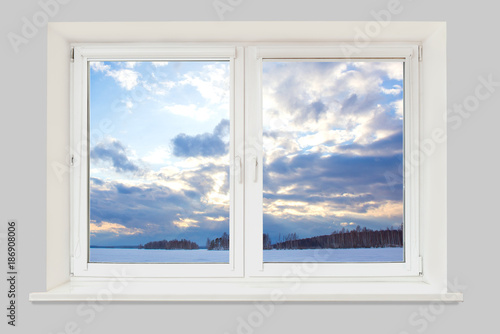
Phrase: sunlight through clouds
{"type": "Point", "coordinates": [331, 129]}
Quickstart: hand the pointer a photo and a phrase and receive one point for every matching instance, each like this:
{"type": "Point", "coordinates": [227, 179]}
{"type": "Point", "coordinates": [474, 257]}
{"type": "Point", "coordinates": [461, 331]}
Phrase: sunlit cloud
{"type": "Point", "coordinates": [186, 222]}
{"type": "Point", "coordinates": [216, 219]}
{"type": "Point", "coordinates": [113, 228]}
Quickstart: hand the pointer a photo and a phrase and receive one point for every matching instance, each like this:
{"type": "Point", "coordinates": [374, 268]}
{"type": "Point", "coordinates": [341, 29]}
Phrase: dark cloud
{"type": "Point", "coordinates": [205, 145]}
{"type": "Point", "coordinates": [113, 152]}
{"type": "Point", "coordinates": [96, 181]}
{"type": "Point", "coordinates": [384, 147]}
{"type": "Point", "coordinates": [357, 105]}
{"type": "Point", "coordinates": [317, 175]}
{"type": "Point", "coordinates": [122, 189]}
{"type": "Point", "coordinates": [222, 129]}
{"type": "Point", "coordinates": [313, 111]}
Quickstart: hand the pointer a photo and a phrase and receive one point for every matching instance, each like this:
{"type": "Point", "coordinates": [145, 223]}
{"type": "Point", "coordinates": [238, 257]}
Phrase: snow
{"type": "Point", "coordinates": [390, 254]}
{"type": "Point", "coordinates": [120, 255]}
{"type": "Point", "coordinates": [158, 255]}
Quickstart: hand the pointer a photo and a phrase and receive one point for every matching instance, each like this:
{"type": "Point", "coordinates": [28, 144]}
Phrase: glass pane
{"type": "Point", "coordinates": [159, 161]}
{"type": "Point", "coordinates": [333, 158]}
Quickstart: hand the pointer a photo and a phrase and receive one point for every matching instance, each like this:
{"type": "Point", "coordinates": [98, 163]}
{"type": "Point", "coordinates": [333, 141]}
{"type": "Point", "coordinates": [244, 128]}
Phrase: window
{"type": "Point", "coordinates": [308, 142]}
{"type": "Point", "coordinates": [157, 129]}
{"type": "Point", "coordinates": [326, 183]}
{"type": "Point", "coordinates": [335, 134]}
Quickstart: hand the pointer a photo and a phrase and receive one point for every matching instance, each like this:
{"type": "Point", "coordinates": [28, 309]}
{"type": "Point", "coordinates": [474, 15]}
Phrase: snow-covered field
{"type": "Point", "coordinates": [393, 254]}
{"type": "Point", "coordinates": [157, 255]}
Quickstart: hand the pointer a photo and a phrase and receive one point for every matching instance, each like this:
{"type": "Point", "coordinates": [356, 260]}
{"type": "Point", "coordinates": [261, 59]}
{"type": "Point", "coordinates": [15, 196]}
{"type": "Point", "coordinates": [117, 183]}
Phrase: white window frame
{"type": "Point", "coordinates": [79, 173]}
{"type": "Point", "coordinates": [254, 57]}
{"type": "Point", "coordinates": [430, 286]}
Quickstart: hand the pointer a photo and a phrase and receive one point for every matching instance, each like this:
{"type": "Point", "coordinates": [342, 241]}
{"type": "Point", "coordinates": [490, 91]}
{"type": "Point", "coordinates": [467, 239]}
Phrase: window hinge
{"type": "Point", "coordinates": [420, 266]}
{"type": "Point", "coordinates": [72, 55]}
{"type": "Point", "coordinates": [72, 160]}
{"type": "Point", "coordinates": [420, 53]}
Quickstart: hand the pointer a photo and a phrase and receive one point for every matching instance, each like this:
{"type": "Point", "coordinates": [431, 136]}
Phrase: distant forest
{"type": "Point", "coordinates": [358, 238]}
{"type": "Point", "coordinates": [172, 244]}
{"type": "Point", "coordinates": [221, 243]}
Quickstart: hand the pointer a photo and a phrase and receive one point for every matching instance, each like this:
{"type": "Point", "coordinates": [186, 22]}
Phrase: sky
{"type": "Point", "coordinates": [333, 132]}
{"type": "Point", "coordinates": [159, 149]}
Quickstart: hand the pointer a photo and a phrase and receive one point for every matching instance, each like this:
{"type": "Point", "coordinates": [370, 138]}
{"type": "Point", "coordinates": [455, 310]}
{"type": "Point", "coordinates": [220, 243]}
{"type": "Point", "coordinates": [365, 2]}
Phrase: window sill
{"type": "Point", "coordinates": [222, 291]}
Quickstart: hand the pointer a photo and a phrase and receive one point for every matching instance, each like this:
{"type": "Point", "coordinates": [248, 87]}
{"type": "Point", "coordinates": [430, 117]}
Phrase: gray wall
{"type": "Point", "coordinates": [472, 164]}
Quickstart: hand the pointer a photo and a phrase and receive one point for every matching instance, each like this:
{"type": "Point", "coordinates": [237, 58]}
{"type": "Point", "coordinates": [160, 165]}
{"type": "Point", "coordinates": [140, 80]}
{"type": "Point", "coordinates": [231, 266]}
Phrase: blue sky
{"type": "Point", "coordinates": [160, 148]}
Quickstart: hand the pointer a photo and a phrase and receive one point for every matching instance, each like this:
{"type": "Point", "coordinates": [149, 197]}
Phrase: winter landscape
{"type": "Point", "coordinates": [121, 255]}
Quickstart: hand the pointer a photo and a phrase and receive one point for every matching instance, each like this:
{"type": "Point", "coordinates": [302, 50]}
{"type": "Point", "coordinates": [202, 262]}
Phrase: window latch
{"type": "Point", "coordinates": [240, 170]}
{"type": "Point", "coordinates": [256, 165]}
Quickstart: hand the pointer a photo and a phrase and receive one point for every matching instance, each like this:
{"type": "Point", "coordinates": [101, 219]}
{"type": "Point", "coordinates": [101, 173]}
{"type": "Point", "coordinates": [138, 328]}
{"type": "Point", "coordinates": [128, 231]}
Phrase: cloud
{"type": "Point", "coordinates": [216, 219]}
{"type": "Point", "coordinates": [204, 145]}
{"type": "Point", "coordinates": [387, 146]}
{"type": "Point", "coordinates": [127, 78]}
{"type": "Point", "coordinates": [111, 150]}
{"type": "Point", "coordinates": [212, 82]}
{"type": "Point", "coordinates": [395, 90]}
{"type": "Point", "coordinates": [186, 222]}
{"type": "Point", "coordinates": [99, 66]}
{"type": "Point", "coordinates": [130, 64]}
{"type": "Point", "coordinates": [398, 108]}
{"type": "Point", "coordinates": [114, 228]}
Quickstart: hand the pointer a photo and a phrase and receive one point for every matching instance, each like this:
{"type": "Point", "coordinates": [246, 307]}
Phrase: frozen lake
{"type": "Point", "coordinates": [123, 255]}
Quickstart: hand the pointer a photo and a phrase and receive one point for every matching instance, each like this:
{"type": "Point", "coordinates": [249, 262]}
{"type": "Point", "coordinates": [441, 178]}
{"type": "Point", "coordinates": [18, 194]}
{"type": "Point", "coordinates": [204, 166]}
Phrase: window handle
{"type": "Point", "coordinates": [256, 165]}
{"type": "Point", "coordinates": [240, 169]}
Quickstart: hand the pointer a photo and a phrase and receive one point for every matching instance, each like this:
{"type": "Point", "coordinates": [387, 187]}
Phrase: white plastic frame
{"type": "Point", "coordinates": [83, 53]}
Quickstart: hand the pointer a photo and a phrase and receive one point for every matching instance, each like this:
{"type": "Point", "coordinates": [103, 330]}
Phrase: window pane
{"type": "Point", "coordinates": [159, 161]}
{"type": "Point", "coordinates": [333, 161]}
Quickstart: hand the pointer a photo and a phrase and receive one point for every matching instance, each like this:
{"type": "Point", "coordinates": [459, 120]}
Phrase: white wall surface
{"type": "Point", "coordinates": [473, 180]}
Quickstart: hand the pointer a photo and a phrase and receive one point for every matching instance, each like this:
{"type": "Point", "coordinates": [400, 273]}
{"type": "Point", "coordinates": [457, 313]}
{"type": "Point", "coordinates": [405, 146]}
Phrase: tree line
{"type": "Point", "coordinates": [221, 243]}
{"type": "Point", "coordinates": [170, 244]}
{"type": "Point", "coordinates": [358, 238]}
